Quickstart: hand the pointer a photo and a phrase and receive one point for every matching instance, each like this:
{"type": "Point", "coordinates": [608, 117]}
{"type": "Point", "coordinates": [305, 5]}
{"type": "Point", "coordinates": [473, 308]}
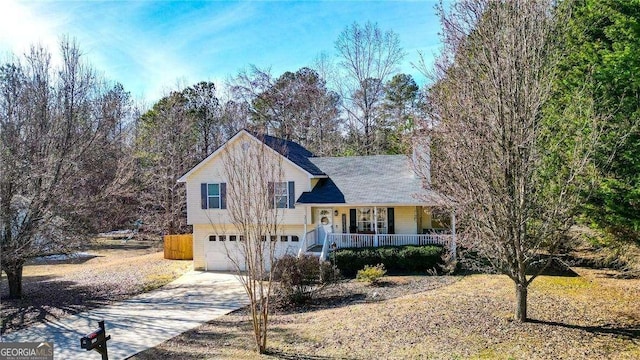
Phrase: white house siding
{"type": "Point", "coordinates": [426, 218]}
{"type": "Point", "coordinates": [405, 220]}
{"type": "Point", "coordinates": [404, 216]}
{"type": "Point", "coordinates": [199, 234]}
{"type": "Point", "coordinates": [337, 220]}
{"type": "Point", "coordinates": [213, 172]}
{"type": "Point", "coordinates": [313, 182]}
{"type": "Point", "coordinates": [212, 255]}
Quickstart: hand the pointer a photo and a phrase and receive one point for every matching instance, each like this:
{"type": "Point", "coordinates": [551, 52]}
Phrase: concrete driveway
{"type": "Point", "coordinates": [143, 321]}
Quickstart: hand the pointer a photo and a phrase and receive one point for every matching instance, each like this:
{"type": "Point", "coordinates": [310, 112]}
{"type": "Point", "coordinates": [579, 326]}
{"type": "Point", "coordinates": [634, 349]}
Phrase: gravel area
{"type": "Point", "coordinates": [54, 289]}
{"type": "Point", "coordinates": [592, 316]}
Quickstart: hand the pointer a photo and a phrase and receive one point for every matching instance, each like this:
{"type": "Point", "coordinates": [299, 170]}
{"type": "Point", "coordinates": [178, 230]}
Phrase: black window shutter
{"type": "Point", "coordinates": [270, 194]}
{"type": "Point", "coordinates": [203, 196]}
{"type": "Point", "coordinates": [353, 228]}
{"type": "Point", "coordinates": [223, 195]}
{"type": "Point", "coordinates": [292, 194]}
{"type": "Point", "coordinates": [391, 224]}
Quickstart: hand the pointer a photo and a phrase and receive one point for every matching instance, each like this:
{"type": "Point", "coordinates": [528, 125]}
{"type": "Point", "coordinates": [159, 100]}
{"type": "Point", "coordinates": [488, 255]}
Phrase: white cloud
{"type": "Point", "coordinates": [149, 46]}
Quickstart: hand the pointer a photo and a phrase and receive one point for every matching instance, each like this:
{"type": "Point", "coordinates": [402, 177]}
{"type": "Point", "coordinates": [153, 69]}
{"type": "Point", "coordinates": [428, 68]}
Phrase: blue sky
{"type": "Point", "coordinates": [149, 46]}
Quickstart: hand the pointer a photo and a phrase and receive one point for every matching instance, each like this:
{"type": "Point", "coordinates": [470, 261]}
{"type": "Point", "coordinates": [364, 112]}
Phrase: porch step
{"type": "Point", "coordinates": [315, 249]}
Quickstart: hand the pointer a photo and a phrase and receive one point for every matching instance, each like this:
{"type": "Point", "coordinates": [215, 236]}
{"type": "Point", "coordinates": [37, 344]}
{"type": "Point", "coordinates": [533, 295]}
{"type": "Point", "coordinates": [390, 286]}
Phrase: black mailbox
{"type": "Point", "coordinates": [97, 341]}
{"type": "Point", "coordinates": [90, 341]}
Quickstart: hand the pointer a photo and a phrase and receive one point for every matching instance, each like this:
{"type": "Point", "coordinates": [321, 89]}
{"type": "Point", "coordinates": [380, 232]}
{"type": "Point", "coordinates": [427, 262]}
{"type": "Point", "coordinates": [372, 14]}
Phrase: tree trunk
{"type": "Point", "coordinates": [265, 319]}
{"type": "Point", "coordinates": [521, 302]}
{"type": "Point", "coordinates": [14, 277]}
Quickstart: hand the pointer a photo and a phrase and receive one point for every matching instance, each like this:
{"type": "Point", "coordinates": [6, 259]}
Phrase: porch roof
{"type": "Point", "coordinates": [378, 179]}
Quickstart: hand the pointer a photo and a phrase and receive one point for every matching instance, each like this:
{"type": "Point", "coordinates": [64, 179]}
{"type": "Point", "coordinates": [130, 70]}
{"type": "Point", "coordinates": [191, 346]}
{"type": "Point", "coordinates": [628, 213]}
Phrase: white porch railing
{"type": "Point", "coordinates": [308, 240]}
{"type": "Point", "coordinates": [375, 240]}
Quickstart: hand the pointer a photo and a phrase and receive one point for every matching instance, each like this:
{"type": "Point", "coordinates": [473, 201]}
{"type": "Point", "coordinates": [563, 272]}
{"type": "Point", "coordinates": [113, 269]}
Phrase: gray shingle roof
{"type": "Point", "coordinates": [295, 152]}
{"type": "Point", "coordinates": [377, 179]}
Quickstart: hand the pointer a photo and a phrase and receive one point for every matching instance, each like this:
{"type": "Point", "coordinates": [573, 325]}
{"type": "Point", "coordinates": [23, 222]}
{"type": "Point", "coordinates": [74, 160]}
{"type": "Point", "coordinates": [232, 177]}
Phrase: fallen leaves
{"type": "Point", "coordinates": [55, 290]}
{"type": "Point", "coordinates": [442, 318]}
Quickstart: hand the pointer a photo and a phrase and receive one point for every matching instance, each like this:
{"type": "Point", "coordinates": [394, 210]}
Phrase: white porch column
{"type": "Point", "coordinates": [375, 226]}
{"type": "Point", "coordinates": [453, 245]}
{"type": "Point", "coordinates": [305, 222]}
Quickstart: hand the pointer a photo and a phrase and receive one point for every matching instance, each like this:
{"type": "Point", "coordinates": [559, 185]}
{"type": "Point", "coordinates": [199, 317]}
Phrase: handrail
{"type": "Point", "coordinates": [325, 248]}
{"type": "Point", "coordinates": [304, 244]}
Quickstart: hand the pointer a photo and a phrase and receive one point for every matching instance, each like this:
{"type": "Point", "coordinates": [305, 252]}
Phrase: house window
{"type": "Point", "coordinates": [295, 238]}
{"type": "Point", "coordinates": [213, 196]}
{"type": "Point", "coordinates": [222, 237]}
{"type": "Point", "coordinates": [284, 238]}
{"type": "Point", "coordinates": [212, 238]}
{"type": "Point", "coordinates": [281, 195]}
{"type": "Point", "coordinates": [372, 220]}
{"type": "Point", "coordinates": [364, 216]}
{"type": "Point", "coordinates": [381, 220]}
{"type": "Point", "coordinates": [232, 237]}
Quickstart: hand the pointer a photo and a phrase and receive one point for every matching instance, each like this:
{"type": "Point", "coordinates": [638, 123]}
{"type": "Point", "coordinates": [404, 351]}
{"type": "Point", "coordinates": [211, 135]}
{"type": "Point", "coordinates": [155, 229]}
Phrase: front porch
{"type": "Point", "coordinates": [339, 241]}
{"type": "Point", "coordinates": [312, 243]}
{"type": "Point", "coordinates": [337, 227]}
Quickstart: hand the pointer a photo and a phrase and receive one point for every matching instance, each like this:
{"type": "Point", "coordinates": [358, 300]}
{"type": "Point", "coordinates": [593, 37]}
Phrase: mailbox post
{"type": "Point", "coordinates": [97, 341]}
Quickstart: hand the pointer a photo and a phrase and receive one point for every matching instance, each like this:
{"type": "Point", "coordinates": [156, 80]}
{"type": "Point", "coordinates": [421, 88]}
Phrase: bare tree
{"type": "Point", "coordinates": [515, 172]}
{"type": "Point", "coordinates": [368, 56]}
{"type": "Point", "coordinates": [111, 189]}
{"type": "Point", "coordinates": [49, 127]}
{"type": "Point", "coordinates": [299, 107]}
{"type": "Point", "coordinates": [180, 130]}
{"type": "Point", "coordinates": [253, 172]}
{"type": "Point", "coordinates": [235, 115]}
{"type": "Point", "coordinates": [295, 106]}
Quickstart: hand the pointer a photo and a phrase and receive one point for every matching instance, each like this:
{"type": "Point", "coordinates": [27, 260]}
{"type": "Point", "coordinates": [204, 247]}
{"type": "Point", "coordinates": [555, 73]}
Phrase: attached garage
{"type": "Point", "coordinates": [343, 201]}
{"type": "Point", "coordinates": [219, 246]}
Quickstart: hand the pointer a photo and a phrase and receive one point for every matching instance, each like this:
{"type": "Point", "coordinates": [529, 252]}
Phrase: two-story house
{"type": "Point", "coordinates": [326, 202]}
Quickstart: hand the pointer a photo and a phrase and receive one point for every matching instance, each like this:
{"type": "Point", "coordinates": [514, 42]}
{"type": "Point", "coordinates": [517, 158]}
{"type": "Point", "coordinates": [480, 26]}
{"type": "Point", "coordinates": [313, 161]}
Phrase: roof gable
{"type": "Point", "coordinates": [294, 153]}
{"type": "Point", "coordinates": [325, 192]}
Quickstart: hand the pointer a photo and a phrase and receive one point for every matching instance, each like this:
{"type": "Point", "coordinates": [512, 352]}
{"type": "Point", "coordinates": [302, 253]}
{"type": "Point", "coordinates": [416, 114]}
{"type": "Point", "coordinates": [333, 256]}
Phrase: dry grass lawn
{"type": "Point", "coordinates": [115, 271]}
{"type": "Point", "coordinates": [593, 316]}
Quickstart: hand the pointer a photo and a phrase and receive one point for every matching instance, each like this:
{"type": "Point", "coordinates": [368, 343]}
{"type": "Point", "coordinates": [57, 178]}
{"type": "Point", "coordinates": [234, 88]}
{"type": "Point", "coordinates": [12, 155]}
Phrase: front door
{"type": "Point", "coordinates": [324, 223]}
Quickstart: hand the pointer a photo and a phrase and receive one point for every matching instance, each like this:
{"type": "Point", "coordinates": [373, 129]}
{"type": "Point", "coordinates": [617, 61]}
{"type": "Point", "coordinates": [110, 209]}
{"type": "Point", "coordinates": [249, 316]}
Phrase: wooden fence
{"type": "Point", "coordinates": [178, 247]}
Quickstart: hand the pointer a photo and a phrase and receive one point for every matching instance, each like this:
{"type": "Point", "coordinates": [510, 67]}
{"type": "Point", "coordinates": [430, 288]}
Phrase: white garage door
{"type": "Point", "coordinates": [217, 247]}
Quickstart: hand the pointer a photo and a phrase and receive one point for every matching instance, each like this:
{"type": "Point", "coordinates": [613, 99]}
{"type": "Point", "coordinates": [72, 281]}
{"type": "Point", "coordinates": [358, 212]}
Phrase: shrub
{"type": "Point", "coordinates": [396, 259]}
{"type": "Point", "coordinates": [419, 258]}
{"type": "Point", "coordinates": [371, 274]}
{"type": "Point", "coordinates": [302, 278]}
